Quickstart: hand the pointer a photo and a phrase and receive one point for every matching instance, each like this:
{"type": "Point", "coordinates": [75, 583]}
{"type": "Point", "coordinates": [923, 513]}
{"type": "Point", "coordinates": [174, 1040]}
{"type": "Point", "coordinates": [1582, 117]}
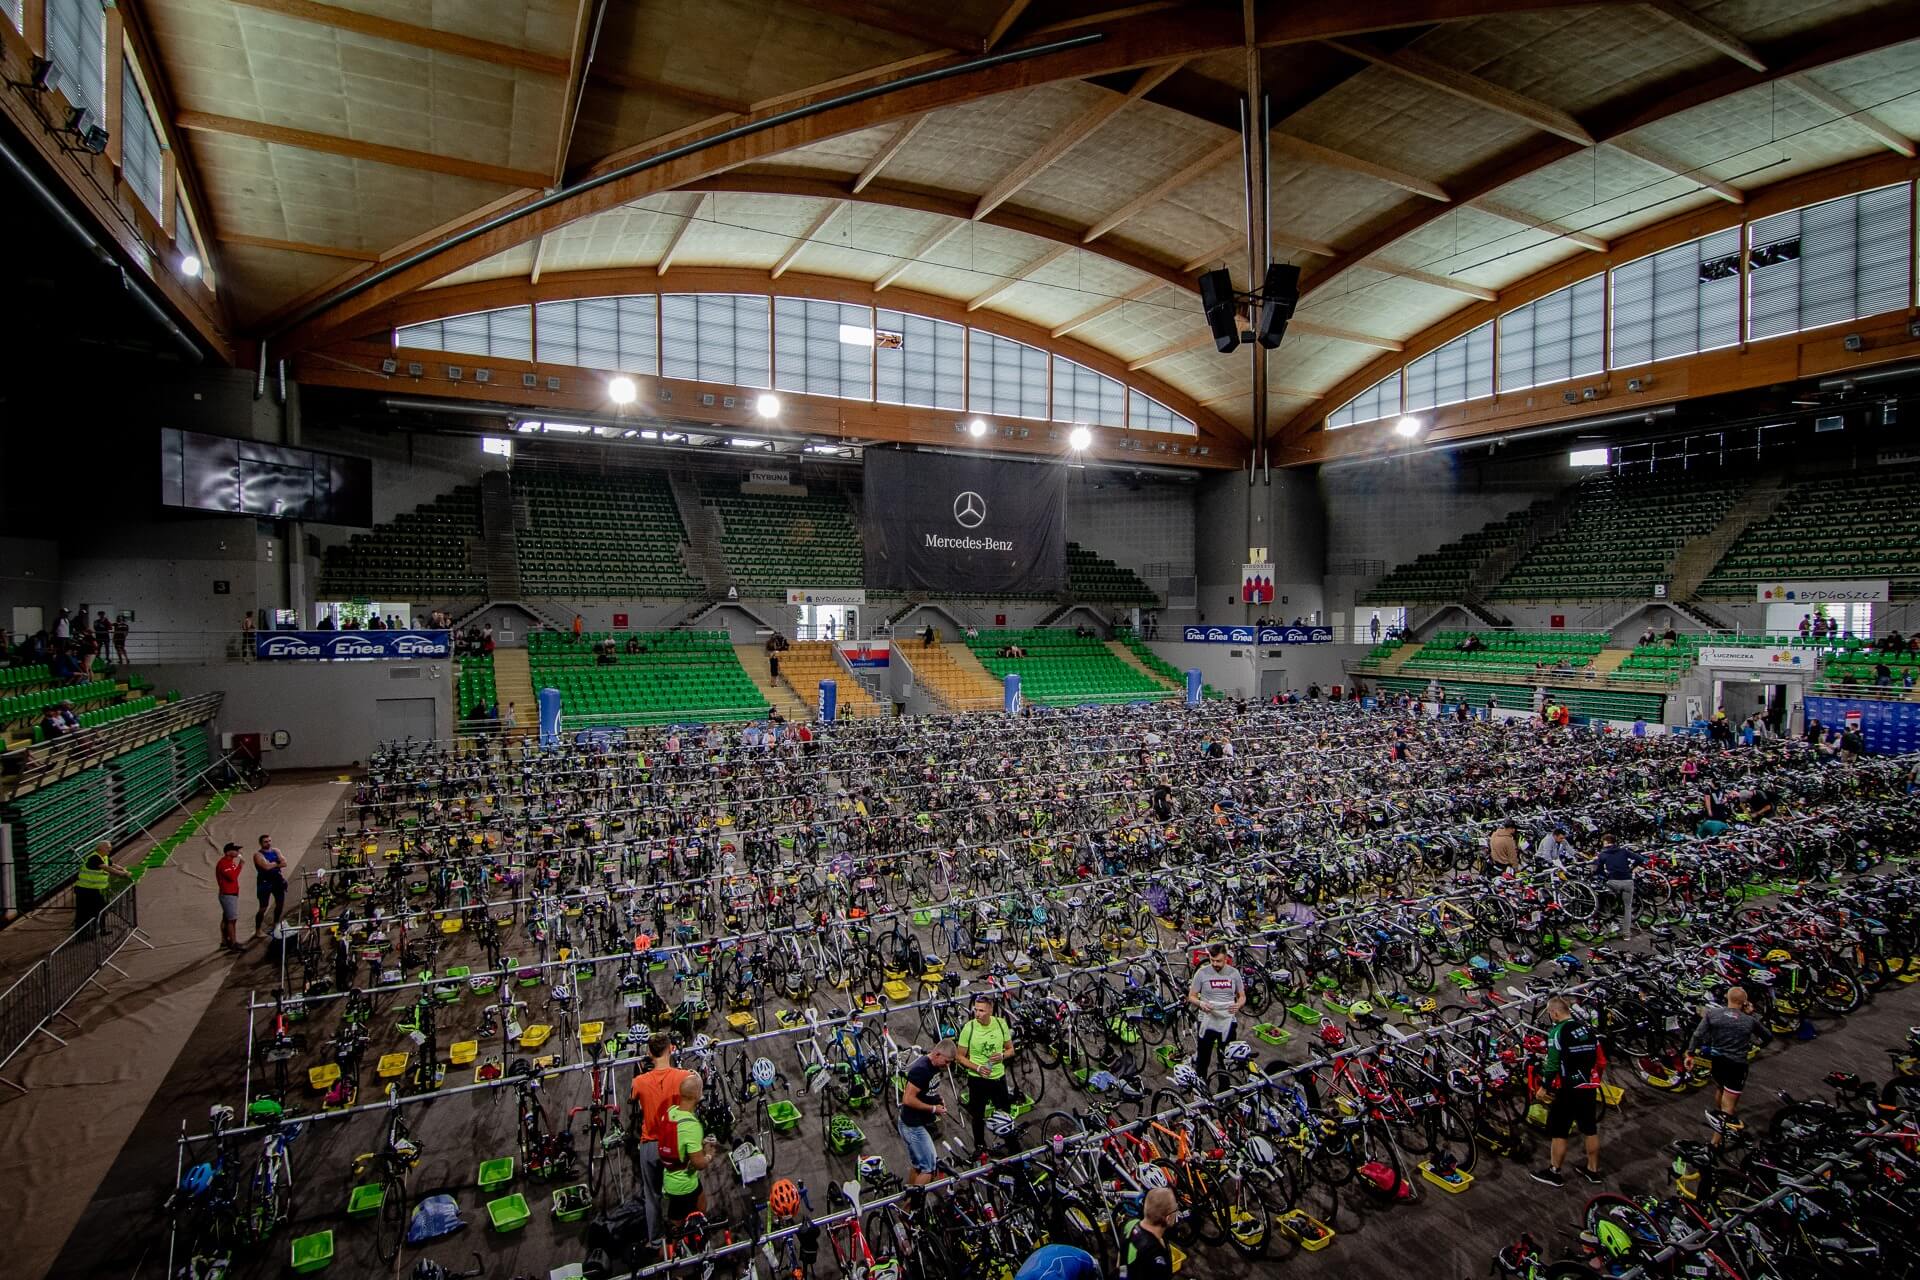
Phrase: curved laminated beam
{"type": "Point", "coordinates": [1808, 51]}
{"type": "Point", "coordinates": [1494, 414]}
{"type": "Point", "coordinates": [1125, 40]}
{"type": "Point", "coordinates": [435, 304]}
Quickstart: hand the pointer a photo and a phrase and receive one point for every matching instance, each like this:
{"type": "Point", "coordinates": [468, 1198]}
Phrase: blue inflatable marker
{"type": "Point", "coordinates": [1012, 702]}
{"type": "Point", "coordinates": [549, 700]}
{"type": "Point", "coordinates": [1194, 685]}
{"type": "Point", "coordinates": [829, 700]}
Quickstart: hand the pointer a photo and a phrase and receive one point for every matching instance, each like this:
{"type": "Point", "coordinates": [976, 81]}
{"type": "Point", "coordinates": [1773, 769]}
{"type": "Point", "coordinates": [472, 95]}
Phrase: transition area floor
{"type": "Point", "coordinates": [94, 1142]}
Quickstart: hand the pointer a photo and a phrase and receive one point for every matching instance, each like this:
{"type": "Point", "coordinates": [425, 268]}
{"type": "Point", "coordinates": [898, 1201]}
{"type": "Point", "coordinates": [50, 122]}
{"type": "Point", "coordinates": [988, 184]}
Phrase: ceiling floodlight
{"type": "Point", "coordinates": [621, 390]}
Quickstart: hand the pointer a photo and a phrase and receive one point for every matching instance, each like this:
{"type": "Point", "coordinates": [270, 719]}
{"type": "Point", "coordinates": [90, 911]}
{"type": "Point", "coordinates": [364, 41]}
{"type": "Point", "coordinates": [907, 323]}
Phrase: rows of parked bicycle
{"type": "Point", "coordinates": [1200, 980]}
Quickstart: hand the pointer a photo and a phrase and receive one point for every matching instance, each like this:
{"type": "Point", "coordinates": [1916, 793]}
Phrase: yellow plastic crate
{"type": "Point", "coordinates": [322, 1078]}
{"type": "Point", "coordinates": [451, 926]}
{"type": "Point", "coordinates": [391, 1065]}
{"type": "Point", "coordinates": [590, 1032]}
{"type": "Point", "coordinates": [461, 1052]}
{"type": "Point", "coordinates": [536, 1035]}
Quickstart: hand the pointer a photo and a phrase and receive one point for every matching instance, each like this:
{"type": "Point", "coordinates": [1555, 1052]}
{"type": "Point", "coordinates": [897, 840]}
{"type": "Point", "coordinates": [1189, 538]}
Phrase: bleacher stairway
{"type": "Point", "coordinates": [779, 695]}
{"type": "Point", "coordinates": [1126, 655]}
{"type": "Point", "coordinates": [499, 552]}
{"type": "Point", "coordinates": [1695, 561]}
{"type": "Point", "coordinates": [513, 685]}
{"type": "Point", "coordinates": [701, 520]}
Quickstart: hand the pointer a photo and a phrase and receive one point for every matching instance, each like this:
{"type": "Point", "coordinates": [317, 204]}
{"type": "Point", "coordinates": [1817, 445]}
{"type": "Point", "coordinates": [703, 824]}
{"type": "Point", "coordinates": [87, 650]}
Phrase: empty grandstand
{"type": "Point", "coordinates": [1855, 526]}
{"type": "Point", "coordinates": [1619, 539]}
{"type": "Point", "coordinates": [425, 552]}
{"type": "Point", "coordinates": [614, 534]}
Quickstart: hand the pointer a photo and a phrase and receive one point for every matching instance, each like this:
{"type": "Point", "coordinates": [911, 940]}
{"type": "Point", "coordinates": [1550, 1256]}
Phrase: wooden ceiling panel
{"type": "Point", "coordinates": [1762, 20]}
{"type": "Point", "coordinates": [1392, 121]}
{"type": "Point", "coordinates": [636, 235]}
{"type": "Point", "coordinates": [746, 49]}
{"type": "Point", "coordinates": [1887, 83]}
{"type": "Point", "coordinates": [1618, 49]}
{"type": "Point", "coordinates": [515, 264]}
{"type": "Point", "coordinates": [867, 240]}
{"type": "Point", "coordinates": [258, 281]}
{"type": "Point", "coordinates": [1131, 156]}
{"type": "Point", "coordinates": [1755, 138]}
{"type": "Point", "coordinates": [969, 148]}
{"type": "Point", "coordinates": [251, 64]}
{"type": "Point", "coordinates": [840, 157]}
{"type": "Point", "coordinates": [975, 258]}
{"type": "Point", "coordinates": [288, 193]}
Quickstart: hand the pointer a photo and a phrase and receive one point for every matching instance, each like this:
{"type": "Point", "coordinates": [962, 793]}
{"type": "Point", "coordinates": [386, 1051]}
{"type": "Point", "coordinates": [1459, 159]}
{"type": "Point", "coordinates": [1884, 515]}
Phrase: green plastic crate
{"type": "Point", "coordinates": [313, 1253]}
{"type": "Point", "coordinates": [508, 1213]}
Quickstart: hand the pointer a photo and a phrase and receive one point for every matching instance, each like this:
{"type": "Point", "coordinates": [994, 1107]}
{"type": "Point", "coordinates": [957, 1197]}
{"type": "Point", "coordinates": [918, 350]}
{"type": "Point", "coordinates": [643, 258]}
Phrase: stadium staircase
{"type": "Point", "coordinates": [685, 676]}
{"type": "Point", "coordinates": [951, 676]}
{"type": "Point", "coordinates": [499, 552]}
{"type": "Point", "coordinates": [1132, 659]}
{"type": "Point", "coordinates": [1620, 538]}
{"type": "Point", "coordinates": [779, 695]}
{"type": "Point", "coordinates": [1062, 669]}
{"type": "Point", "coordinates": [808, 662]}
{"type": "Point", "coordinates": [702, 523]}
{"type": "Point", "coordinates": [513, 683]}
{"type": "Point", "coordinates": [1698, 558]}
{"type": "Point", "coordinates": [1399, 657]}
{"type": "Point", "coordinates": [1864, 525]}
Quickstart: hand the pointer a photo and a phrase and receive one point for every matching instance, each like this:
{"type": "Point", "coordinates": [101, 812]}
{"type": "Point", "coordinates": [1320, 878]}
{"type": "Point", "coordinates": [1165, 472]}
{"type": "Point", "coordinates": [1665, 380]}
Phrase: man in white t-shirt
{"type": "Point", "coordinates": [1219, 991]}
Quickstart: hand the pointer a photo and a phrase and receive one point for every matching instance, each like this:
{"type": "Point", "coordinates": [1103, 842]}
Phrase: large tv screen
{"type": "Point", "coordinates": [246, 477]}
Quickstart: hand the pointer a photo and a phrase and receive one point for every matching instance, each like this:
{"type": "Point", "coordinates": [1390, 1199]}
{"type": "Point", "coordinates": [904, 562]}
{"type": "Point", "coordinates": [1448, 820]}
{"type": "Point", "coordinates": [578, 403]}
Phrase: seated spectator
{"type": "Point", "coordinates": [63, 668]}
{"type": "Point", "coordinates": [1670, 636]}
{"type": "Point", "coordinates": [633, 645]}
{"type": "Point", "coordinates": [1882, 675]}
{"type": "Point", "coordinates": [51, 726]}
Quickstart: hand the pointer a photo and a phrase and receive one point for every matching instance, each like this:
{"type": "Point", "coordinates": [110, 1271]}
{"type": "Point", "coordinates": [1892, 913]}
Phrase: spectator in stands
{"type": "Point", "coordinates": [1647, 636]}
{"type": "Point", "coordinates": [1806, 625]}
{"type": "Point", "coordinates": [103, 631]}
{"type": "Point", "coordinates": [633, 645]}
{"type": "Point", "coordinates": [1893, 642]}
{"type": "Point", "coordinates": [62, 626]}
{"type": "Point", "coordinates": [579, 625]}
{"type": "Point", "coordinates": [486, 639]}
{"type": "Point", "coordinates": [926, 636]}
{"type": "Point", "coordinates": [773, 656]}
{"type": "Point", "coordinates": [832, 624]}
{"type": "Point", "coordinates": [89, 651]}
{"type": "Point", "coordinates": [510, 719]}
{"type": "Point", "coordinates": [1373, 627]}
{"type": "Point", "coordinates": [1670, 636]}
{"type": "Point", "coordinates": [121, 629]}
{"type": "Point", "coordinates": [604, 653]}
{"type": "Point", "coordinates": [352, 624]}
{"type": "Point", "coordinates": [1882, 675]}
{"type": "Point", "coordinates": [51, 725]}
{"type": "Point", "coordinates": [63, 668]}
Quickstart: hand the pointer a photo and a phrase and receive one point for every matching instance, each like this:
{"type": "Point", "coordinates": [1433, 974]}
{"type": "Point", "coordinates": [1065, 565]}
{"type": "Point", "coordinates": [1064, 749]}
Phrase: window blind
{"type": "Point", "coordinates": [808, 356]}
{"type": "Point", "coordinates": [1678, 301]}
{"type": "Point", "coordinates": [12, 8]}
{"type": "Point", "coordinates": [183, 239]}
{"type": "Point", "coordinates": [77, 47]}
{"type": "Point", "coordinates": [919, 361]}
{"type": "Point", "coordinates": [618, 335]}
{"type": "Point", "coordinates": [1081, 395]}
{"type": "Point", "coordinates": [716, 337]}
{"type": "Point", "coordinates": [140, 162]}
{"type": "Point", "coordinates": [1381, 400]}
{"type": "Point", "coordinates": [1829, 263]}
{"type": "Point", "coordinates": [1005, 377]}
{"type": "Point", "coordinates": [1460, 370]}
{"type": "Point", "coordinates": [1554, 338]}
{"type": "Point", "coordinates": [507, 333]}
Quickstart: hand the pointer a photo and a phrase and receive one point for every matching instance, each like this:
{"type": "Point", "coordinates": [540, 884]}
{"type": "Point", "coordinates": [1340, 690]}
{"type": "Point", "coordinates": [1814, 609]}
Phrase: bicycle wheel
{"type": "Point", "coordinates": [391, 1229]}
{"type": "Point", "coordinates": [1248, 1223]}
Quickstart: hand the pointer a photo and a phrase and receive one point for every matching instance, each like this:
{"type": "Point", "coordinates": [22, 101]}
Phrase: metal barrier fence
{"type": "Point", "coordinates": [42, 993]}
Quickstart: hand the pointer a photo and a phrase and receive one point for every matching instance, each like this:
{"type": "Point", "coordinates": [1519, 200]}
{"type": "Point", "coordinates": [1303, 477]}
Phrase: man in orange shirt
{"type": "Point", "coordinates": [654, 1091]}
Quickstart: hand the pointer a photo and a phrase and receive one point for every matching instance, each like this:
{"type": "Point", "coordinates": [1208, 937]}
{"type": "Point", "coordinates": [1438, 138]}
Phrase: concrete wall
{"type": "Point", "coordinates": [166, 571]}
{"type": "Point", "coordinates": [1287, 517]}
{"type": "Point", "coordinates": [1236, 669]}
{"type": "Point", "coordinates": [330, 710]}
{"type": "Point", "coordinates": [1134, 524]}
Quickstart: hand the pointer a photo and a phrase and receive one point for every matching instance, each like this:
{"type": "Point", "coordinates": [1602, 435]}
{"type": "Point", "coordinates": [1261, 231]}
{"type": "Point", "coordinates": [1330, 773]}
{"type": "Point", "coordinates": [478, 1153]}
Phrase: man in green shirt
{"type": "Point", "coordinates": [985, 1043]}
{"type": "Point", "coordinates": [690, 1151]}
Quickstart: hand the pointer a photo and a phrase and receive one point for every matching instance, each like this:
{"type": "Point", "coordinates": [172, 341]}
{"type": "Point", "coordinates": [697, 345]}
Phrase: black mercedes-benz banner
{"type": "Point", "coordinates": [964, 526]}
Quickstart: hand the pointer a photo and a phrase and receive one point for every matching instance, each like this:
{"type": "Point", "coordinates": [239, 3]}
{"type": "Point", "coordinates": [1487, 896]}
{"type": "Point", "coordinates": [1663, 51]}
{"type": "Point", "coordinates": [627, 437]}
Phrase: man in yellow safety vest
{"type": "Point", "coordinates": [90, 886]}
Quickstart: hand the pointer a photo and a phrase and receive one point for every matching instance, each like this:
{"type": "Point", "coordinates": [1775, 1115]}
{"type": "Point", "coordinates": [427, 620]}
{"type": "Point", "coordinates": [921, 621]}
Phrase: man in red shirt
{"type": "Point", "coordinates": [654, 1091]}
{"type": "Point", "coordinates": [226, 875]}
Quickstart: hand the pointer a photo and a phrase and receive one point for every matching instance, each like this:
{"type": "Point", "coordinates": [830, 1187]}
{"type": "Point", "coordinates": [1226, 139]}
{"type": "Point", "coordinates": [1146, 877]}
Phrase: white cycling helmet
{"type": "Point", "coordinates": [1186, 1077]}
{"type": "Point", "coordinates": [1002, 1123]}
{"type": "Point", "coordinates": [763, 1072]}
{"type": "Point", "coordinates": [1239, 1051]}
{"type": "Point", "coordinates": [1152, 1176]}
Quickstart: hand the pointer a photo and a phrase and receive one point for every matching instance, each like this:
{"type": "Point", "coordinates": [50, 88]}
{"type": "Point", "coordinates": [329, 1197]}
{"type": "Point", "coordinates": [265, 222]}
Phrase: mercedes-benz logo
{"type": "Point", "coordinates": [969, 510]}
